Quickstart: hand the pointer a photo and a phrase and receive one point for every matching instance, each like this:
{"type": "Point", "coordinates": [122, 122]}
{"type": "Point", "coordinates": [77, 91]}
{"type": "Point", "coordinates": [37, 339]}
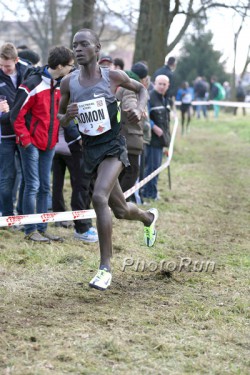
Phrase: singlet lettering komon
{"type": "Point", "coordinates": [93, 118]}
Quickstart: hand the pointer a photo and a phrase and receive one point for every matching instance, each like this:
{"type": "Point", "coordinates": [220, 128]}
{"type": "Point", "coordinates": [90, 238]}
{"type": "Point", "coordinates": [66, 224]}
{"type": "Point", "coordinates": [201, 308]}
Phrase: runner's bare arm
{"type": "Point", "coordinates": [67, 111]}
{"type": "Point", "coordinates": [120, 78]}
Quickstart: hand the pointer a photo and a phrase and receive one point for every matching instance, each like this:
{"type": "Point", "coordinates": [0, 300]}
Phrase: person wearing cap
{"type": "Point", "coordinates": [106, 61]}
{"type": "Point", "coordinates": [132, 131]}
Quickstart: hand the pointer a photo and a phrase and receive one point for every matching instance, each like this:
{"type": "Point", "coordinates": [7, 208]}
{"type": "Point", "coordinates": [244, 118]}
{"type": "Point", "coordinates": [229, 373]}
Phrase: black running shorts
{"type": "Point", "coordinates": [94, 155]}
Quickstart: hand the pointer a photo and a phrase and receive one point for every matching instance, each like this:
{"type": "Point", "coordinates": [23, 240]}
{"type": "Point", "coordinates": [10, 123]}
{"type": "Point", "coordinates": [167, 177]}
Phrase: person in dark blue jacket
{"type": "Point", "coordinates": [82, 187]}
{"type": "Point", "coordinates": [12, 70]}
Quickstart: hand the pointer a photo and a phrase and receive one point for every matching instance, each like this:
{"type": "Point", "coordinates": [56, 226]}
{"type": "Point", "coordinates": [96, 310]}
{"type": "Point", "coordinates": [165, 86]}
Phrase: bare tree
{"type": "Point", "coordinates": [157, 18]}
{"type": "Point", "coordinates": [246, 63]}
{"type": "Point", "coordinates": [236, 38]}
{"type": "Point", "coordinates": [48, 20]}
{"type": "Point", "coordinates": [53, 22]}
{"type": "Point", "coordinates": [82, 15]}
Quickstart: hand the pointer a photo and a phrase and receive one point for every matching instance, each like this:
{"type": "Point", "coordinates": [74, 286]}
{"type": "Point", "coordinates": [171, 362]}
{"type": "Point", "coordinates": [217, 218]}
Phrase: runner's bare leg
{"type": "Point", "coordinates": [107, 191]}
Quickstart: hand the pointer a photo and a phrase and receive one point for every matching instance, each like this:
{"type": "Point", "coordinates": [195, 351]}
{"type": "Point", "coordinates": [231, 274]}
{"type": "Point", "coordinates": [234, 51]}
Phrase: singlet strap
{"type": "Point", "coordinates": [105, 74]}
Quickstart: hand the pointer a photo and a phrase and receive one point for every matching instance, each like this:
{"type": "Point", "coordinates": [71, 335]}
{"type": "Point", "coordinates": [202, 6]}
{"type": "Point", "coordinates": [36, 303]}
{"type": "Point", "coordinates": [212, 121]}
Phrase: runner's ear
{"type": "Point", "coordinates": [98, 48]}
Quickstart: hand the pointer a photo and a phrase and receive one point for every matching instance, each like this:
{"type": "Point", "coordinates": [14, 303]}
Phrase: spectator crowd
{"type": "Point", "coordinates": [36, 151]}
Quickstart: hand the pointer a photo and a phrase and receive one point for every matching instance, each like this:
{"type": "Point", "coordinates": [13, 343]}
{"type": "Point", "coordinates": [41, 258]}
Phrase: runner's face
{"type": "Point", "coordinates": [85, 48]}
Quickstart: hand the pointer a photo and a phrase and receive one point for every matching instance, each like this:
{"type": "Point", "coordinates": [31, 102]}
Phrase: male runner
{"type": "Point", "coordinates": [88, 95]}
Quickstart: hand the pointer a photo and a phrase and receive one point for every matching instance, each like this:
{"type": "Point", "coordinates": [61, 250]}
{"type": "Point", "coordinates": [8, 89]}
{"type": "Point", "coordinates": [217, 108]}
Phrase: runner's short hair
{"type": "Point", "coordinates": [92, 32]}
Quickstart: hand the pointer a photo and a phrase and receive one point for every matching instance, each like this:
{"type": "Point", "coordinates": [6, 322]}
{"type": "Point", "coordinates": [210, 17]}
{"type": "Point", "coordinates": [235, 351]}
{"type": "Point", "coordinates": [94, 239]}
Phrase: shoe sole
{"type": "Point", "coordinates": [87, 241]}
{"type": "Point", "coordinates": [57, 240]}
{"type": "Point", "coordinates": [98, 287]}
{"type": "Point", "coordinates": [29, 239]}
{"type": "Point", "coordinates": [154, 240]}
{"type": "Point", "coordinates": [156, 217]}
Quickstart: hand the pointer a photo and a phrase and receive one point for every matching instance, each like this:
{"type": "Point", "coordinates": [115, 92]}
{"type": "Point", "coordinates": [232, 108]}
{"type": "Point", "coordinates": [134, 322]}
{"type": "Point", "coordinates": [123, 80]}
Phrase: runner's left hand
{"type": "Point", "coordinates": [133, 115]}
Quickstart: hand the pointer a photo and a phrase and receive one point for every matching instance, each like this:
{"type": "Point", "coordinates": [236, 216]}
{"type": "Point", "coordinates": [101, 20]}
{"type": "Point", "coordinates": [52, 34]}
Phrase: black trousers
{"type": "Point", "coordinates": [129, 175]}
{"type": "Point", "coordinates": [81, 186]}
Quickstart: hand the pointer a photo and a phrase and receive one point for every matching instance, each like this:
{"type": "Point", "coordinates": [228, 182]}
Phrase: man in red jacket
{"type": "Point", "coordinates": [34, 117]}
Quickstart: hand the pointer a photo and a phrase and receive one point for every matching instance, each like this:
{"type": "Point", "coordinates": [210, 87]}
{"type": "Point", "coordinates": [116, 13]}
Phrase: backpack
{"type": "Point", "coordinates": [221, 91]}
{"type": "Point", "coordinates": [200, 89]}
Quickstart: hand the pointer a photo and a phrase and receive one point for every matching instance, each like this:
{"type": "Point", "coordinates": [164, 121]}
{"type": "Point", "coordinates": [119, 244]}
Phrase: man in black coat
{"type": "Point", "coordinates": [168, 70]}
{"type": "Point", "coordinates": [159, 118]}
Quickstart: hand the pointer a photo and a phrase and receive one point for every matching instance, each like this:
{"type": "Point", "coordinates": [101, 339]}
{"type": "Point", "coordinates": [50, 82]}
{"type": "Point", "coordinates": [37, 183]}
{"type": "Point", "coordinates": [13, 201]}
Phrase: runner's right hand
{"type": "Point", "coordinates": [72, 110]}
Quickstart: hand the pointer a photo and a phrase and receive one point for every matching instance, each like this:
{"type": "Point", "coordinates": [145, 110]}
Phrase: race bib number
{"type": "Point", "coordinates": [93, 118]}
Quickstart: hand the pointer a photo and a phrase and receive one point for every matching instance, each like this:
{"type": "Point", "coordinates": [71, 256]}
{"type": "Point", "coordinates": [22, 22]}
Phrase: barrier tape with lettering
{"type": "Point", "coordinates": [90, 214]}
{"type": "Point", "coordinates": [52, 217]}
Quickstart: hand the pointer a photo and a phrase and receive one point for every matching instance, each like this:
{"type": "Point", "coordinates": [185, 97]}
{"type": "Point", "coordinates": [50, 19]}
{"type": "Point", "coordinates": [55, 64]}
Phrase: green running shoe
{"type": "Point", "coordinates": [150, 232]}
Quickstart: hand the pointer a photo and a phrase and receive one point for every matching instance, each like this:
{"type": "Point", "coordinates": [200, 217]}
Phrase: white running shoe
{"type": "Point", "coordinates": [150, 232]}
{"type": "Point", "coordinates": [93, 230]}
{"type": "Point", "coordinates": [89, 236]}
{"type": "Point", "coordinates": [102, 280]}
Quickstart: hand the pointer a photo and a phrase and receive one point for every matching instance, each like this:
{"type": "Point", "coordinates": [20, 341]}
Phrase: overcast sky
{"type": "Point", "coordinates": [221, 23]}
{"type": "Point", "coordinates": [224, 25]}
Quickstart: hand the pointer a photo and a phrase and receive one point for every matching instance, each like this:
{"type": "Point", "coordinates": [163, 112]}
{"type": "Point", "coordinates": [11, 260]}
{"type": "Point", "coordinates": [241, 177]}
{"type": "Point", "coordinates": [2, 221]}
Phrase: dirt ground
{"type": "Point", "coordinates": [179, 308]}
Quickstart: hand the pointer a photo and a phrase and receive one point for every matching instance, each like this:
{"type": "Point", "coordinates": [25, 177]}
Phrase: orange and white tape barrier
{"type": "Point", "coordinates": [8, 221]}
{"type": "Point", "coordinates": [161, 168]}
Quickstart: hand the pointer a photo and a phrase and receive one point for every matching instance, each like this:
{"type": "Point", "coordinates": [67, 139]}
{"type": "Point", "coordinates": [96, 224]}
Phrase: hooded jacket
{"type": "Point", "coordinates": [34, 115]}
{"type": "Point", "coordinates": [133, 132]}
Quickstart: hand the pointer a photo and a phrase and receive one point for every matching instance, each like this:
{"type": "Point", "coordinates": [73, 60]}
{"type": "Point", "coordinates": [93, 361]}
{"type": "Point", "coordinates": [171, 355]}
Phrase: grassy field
{"type": "Point", "coordinates": [181, 308]}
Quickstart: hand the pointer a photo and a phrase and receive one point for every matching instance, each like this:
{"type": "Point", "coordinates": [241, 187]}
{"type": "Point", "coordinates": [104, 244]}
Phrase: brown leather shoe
{"type": "Point", "coordinates": [51, 236]}
{"type": "Point", "coordinates": [37, 237]}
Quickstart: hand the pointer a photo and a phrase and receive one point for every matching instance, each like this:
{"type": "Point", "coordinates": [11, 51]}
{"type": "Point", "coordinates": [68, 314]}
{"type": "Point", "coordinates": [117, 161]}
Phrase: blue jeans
{"type": "Point", "coordinates": [201, 107]}
{"type": "Point", "coordinates": [17, 193]}
{"type": "Point", "coordinates": [153, 161]}
{"type": "Point", "coordinates": [36, 171]}
{"type": "Point", "coordinates": [8, 148]}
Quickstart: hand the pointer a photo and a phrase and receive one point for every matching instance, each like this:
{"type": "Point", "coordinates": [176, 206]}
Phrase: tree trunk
{"type": "Point", "coordinates": [151, 36]}
{"type": "Point", "coordinates": [82, 15]}
{"type": "Point", "coordinates": [55, 38]}
{"type": "Point", "coordinates": [246, 63]}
